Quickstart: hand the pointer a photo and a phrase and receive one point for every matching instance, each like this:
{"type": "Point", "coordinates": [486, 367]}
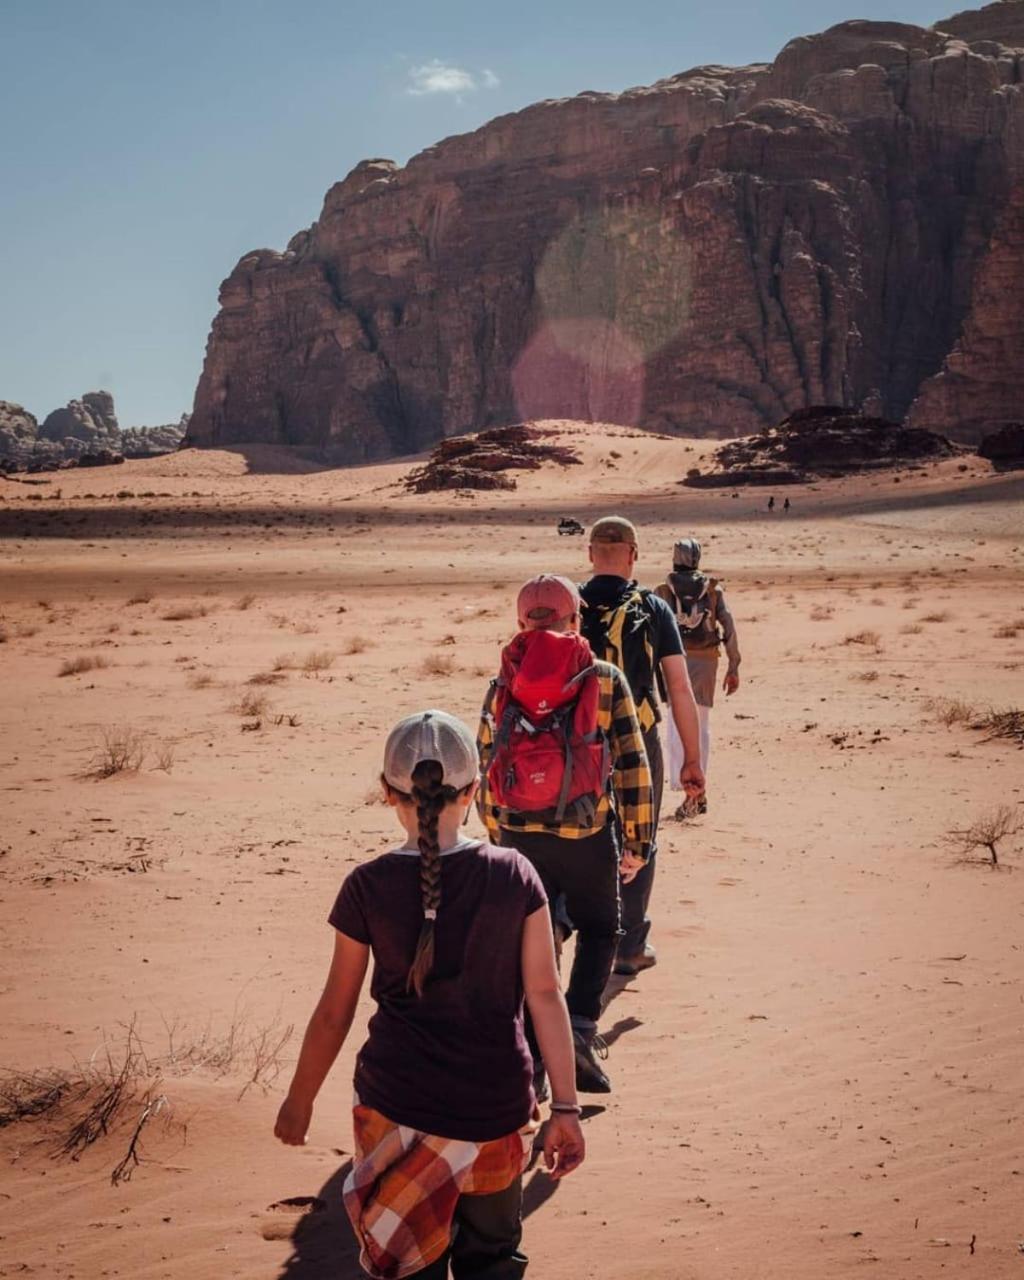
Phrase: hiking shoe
{"type": "Point", "coordinates": [702, 804]}
{"type": "Point", "coordinates": [630, 966]}
{"type": "Point", "coordinates": [590, 1078]}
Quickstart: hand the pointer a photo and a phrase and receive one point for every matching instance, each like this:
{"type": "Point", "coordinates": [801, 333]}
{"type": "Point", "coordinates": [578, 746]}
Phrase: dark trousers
{"type": "Point", "coordinates": [585, 873]}
{"type": "Point", "coordinates": [485, 1239]}
{"type": "Point", "coordinates": [636, 896]}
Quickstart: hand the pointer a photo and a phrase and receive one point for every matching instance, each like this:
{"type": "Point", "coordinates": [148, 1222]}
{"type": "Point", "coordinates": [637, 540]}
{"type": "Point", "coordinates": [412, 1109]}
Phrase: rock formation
{"type": "Point", "coordinates": [818, 442]}
{"type": "Point", "coordinates": [481, 461]}
{"type": "Point", "coordinates": [1005, 447]}
{"type": "Point", "coordinates": [84, 433]}
{"type": "Point", "coordinates": [708, 255]}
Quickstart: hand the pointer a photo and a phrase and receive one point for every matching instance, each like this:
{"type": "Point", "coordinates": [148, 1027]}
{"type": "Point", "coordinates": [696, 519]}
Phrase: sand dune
{"type": "Point", "coordinates": [822, 1073]}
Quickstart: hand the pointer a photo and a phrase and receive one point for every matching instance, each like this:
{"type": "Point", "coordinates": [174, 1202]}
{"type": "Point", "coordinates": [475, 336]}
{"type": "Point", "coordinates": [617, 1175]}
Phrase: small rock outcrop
{"type": "Point", "coordinates": [1004, 447]}
{"type": "Point", "coordinates": [84, 426]}
{"type": "Point", "coordinates": [151, 442]}
{"type": "Point", "coordinates": [84, 433]}
{"type": "Point", "coordinates": [481, 461]}
{"type": "Point", "coordinates": [819, 442]}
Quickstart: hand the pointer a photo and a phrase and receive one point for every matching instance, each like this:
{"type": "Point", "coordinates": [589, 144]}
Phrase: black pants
{"type": "Point", "coordinates": [636, 896]}
{"type": "Point", "coordinates": [485, 1239]}
{"type": "Point", "coordinates": [586, 873]}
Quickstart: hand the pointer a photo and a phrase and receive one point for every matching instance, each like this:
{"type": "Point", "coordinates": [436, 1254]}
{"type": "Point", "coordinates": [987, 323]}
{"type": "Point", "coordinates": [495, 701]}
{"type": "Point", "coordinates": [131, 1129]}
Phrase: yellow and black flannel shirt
{"type": "Point", "coordinates": [630, 783]}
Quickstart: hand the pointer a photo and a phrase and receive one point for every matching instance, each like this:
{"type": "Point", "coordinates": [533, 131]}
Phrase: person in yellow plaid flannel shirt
{"type": "Point", "coordinates": [580, 861]}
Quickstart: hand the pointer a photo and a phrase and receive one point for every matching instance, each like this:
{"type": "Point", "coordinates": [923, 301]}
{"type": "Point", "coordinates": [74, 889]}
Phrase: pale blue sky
{"type": "Point", "coordinates": [145, 147]}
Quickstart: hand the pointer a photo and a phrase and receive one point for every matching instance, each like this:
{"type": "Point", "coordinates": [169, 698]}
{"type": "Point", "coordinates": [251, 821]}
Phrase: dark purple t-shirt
{"type": "Point", "coordinates": [453, 1062]}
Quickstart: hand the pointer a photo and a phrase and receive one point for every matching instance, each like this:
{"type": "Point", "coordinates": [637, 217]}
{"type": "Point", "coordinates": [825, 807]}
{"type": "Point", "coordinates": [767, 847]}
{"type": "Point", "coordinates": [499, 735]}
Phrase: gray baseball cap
{"type": "Point", "coordinates": [430, 735]}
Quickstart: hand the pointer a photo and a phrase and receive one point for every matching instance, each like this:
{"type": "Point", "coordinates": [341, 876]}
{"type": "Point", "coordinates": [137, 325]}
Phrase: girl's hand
{"type": "Point", "coordinates": [564, 1144]}
{"type": "Point", "coordinates": [293, 1122]}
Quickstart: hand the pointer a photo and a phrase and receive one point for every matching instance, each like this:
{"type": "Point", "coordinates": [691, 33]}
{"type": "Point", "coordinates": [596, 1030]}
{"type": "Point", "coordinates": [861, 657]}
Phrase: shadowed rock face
{"type": "Point", "coordinates": [708, 254]}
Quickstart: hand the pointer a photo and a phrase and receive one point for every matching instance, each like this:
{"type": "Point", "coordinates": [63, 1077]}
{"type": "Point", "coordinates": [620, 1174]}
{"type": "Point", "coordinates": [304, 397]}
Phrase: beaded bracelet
{"type": "Point", "coordinates": [569, 1108]}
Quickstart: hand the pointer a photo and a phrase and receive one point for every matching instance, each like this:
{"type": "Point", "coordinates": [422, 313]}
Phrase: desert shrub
{"type": "Point", "coordinates": [911, 629]}
{"type": "Point", "coordinates": [266, 677]}
{"type": "Point", "coordinates": [866, 677]}
{"type": "Point", "coordinates": [822, 612]}
{"type": "Point", "coordinates": [121, 750]}
{"type": "Point", "coordinates": [84, 662]}
{"type": "Point", "coordinates": [318, 660]}
{"type": "Point", "coordinates": [185, 613]}
{"type": "Point", "coordinates": [438, 664]}
{"type": "Point", "coordinates": [4, 634]}
{"type": "Point", "coordinates": [986, 832]}
{"type": "Point", "coordinates": [1008, 631]}
{"type": "Point", "coordinates": [245, 602]}
{"type": "Point", "coordinates": [200, 680]}
{"type": "Point", "coordinates": [251, 704]}
{"type": "Point", "coordinates": [941, 615]}
{"type": "Point", "coordinates": [356, 644]}
{"type": "Point", "coordinates": [140, 597]}
{"type": "Point", "coordinates": [951, 711]}
{"type": "Point", "coordinates": [163, 757]}
{"type": "Point", "coordinates": [871, 638]}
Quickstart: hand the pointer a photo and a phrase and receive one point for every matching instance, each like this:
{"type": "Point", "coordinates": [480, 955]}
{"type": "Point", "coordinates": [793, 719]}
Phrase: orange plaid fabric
{"type": "Point", "coordinates": [401, 1191]}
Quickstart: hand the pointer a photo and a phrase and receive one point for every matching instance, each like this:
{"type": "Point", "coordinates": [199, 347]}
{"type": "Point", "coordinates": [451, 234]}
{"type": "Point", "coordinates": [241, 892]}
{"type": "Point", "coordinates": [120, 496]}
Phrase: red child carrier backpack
{"type": "Point", "coordinates": [550, 758]}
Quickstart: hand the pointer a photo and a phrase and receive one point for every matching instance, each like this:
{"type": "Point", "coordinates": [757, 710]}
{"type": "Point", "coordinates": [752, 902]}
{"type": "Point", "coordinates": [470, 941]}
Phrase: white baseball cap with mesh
{"type": "Point", "coordinates": [430, 735]}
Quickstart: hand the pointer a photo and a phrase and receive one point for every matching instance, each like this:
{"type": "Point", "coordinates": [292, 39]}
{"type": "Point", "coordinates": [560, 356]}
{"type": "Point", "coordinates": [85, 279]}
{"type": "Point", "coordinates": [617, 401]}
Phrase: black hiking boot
{"type": "Point", "coordinates": [590, 1078]}
{"type": "Point", "coordinates": [630, 966]}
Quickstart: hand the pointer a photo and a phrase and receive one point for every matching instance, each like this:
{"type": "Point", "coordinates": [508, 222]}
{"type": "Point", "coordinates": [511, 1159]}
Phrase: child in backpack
{"type": "Point", "coordinates": [706, 625]}
{"type": "Point", "coordinates": [564, 768]}
{"type": "Point", "coordinates": [445, 1112]}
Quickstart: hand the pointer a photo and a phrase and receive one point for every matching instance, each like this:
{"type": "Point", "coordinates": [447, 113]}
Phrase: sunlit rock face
{"type": "Point", "coordinates": [708, 255]}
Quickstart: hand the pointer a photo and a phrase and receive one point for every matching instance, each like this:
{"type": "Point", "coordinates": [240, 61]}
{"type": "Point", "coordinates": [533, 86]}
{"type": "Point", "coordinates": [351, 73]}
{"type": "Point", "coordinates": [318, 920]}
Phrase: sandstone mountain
{"type": "Point", "coordinates": [709, 254]}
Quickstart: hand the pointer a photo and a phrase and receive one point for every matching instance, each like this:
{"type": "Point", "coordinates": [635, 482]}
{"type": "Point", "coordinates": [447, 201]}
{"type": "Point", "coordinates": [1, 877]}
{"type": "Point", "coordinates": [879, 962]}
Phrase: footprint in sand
{"type": "Point", "coordinates": [283, 1216]}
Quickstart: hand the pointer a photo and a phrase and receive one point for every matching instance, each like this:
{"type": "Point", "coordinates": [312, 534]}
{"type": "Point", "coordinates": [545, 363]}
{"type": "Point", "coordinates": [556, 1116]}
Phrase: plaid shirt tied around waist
{"type": "Point", "coordinates": [630, 781]}
{"type": "Point", "coordinates": [401, 1192]}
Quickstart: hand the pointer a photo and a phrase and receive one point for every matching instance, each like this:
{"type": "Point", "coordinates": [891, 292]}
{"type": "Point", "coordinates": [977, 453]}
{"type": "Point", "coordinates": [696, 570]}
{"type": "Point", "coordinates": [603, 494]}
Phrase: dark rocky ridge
{"type": "Point", "coordinates": [822, 441]}
{"type": "Point", "coordinates": [83, 433]}
{"type": "Point", "coordinates": [708, 254]}
{"type": "Point", "coordinates": [481, 461]}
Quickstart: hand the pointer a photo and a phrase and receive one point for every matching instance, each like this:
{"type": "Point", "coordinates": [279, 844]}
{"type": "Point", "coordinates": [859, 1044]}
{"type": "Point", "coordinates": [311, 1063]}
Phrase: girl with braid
{"type": "Point", "coordinates": [444, 1112]}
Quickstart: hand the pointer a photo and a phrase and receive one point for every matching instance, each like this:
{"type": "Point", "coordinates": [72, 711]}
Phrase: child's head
{"type": "Point", "coordinates": [548, 603]}
{"type": "Point", "coordinates": [430, 773]}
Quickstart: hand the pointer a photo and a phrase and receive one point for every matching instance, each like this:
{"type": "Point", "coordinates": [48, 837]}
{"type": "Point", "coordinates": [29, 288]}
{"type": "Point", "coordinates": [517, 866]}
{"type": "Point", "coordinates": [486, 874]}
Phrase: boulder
{"type": "Point", "coordinates": [1004, 447]}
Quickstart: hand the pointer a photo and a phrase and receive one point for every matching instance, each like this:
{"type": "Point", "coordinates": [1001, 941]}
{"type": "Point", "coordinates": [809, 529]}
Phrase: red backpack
{"type": "Point", "coordinates": [550, 758]}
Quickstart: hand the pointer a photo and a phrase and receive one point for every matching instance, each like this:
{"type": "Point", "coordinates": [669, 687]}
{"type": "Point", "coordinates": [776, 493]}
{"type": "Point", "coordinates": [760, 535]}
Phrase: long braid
{"type": "Point", "coordinates": [431, 797]}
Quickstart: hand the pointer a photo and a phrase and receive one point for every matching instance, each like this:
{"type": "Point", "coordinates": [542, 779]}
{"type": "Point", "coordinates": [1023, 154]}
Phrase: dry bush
{"type": "Point", "coordinates": [951, 711]}
{"type": "Point", "coordinates": [912, 629]}
{"type": "Point", "coordinates": [356, 644]}
{"type": "Point", "coordinates": [5, 635]}
{"type": "Point", "coordinates": [140, 597]}
{"type": "Point", "coordinates": [285, 662]}
{"type": "Point", "coordinates": [1008, 631]}
{"type": "Point", "coordinates": [121, 750]}
{"type": "Point", "coordinates": [25, 633]}
{"type": "Point", "coordinates": [871, 638]}
{"type": "Point", "coordinates": [251, 704]}
{"type": "Point", "coordinates": [317, 661]}
{"type": "Point", "coordinates": [1008, 724]}
{"type": "Point", "coordinates": [245, 602]}
{"type": "Point", "coordinates": [185, 613]}
{"type": "Point", "coordinates": [163, 757]}
{"type": "Point", "coordinates": [822, 612]}
{"type": "Point", "coordinates": [266, 677]}
{"type": "Point", "coordinates": [200, 680]}
{"type": "Point", "coordinates": [84, 662]}
{"type": "Point", "coordinates": [941, 616]}
{"type": "Point", "coordinates": [438, 664]}
{"type": "Point", "coordinates": [867, 677]}
{"type": "Point", "coordinates": [986, 832]}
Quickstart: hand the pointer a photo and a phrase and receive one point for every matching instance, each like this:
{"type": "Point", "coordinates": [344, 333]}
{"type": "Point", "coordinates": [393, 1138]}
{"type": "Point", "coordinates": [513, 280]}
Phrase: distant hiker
{"type": "Point", "coordinates": [771, 503]}
{"type": "Point", "coordinates": [785, 505]}
{"type": "Point", "coordinates": [444, 1110]}
{"type": "Point", "coordinates": [636, 630]}
{"type": "Point", "coordinates": [563, 757]}
{"type": "Point", "coordinates": [705, 625]}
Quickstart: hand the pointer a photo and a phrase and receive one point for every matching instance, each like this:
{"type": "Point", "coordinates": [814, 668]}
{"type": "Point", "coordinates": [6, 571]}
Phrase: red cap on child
{"type": "Point", "coordinates": [546, 599]}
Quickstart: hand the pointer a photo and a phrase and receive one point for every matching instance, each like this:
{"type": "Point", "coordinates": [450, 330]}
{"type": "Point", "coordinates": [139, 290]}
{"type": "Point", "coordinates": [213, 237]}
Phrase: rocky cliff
{"type": "Point", "coordinates": [707, 254]}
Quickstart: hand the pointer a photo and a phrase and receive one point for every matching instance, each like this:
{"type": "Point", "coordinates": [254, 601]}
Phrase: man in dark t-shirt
{"type": "Point", "coordinates": [637, 631]}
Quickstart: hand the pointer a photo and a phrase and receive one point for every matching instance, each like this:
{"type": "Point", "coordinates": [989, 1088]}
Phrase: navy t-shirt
{"type": "Point", "coordinates": [453, 1062]}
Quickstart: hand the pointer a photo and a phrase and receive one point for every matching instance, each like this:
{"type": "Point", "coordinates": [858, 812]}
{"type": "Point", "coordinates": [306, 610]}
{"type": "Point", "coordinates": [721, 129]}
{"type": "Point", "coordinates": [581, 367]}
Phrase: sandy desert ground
{"type": "Point", "coordinates": [821, 1078]}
